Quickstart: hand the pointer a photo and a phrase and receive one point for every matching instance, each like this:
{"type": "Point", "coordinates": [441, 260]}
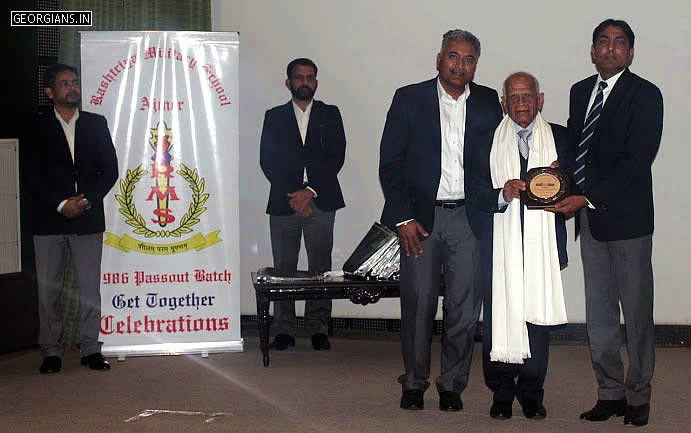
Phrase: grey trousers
{"type": "Point", "coordinates": [286, 235]}
{"type": "Point", "coordinates": [619, 272]}
{"type": "Point", "coordinates": [51, 255]}
{"type": "Point", "coordinates": [451, 247]}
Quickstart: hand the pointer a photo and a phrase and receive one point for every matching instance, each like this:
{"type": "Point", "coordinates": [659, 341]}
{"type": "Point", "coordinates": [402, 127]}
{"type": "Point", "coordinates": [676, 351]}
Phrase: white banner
{"type": "Point", "coordinates": [170, 273]}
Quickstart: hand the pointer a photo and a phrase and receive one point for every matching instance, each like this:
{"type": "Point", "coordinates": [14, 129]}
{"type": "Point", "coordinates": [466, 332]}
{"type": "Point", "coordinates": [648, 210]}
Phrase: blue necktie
{"type": "Point", "coordinates": [587, 134]}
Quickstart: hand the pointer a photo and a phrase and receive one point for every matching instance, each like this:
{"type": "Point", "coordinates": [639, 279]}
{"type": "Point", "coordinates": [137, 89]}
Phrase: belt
{"type": "Point", "coordinates": [450, 204]}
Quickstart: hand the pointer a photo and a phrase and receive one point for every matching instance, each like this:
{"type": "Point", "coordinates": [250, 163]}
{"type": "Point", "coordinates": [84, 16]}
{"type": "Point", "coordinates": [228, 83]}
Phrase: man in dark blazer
{"type": "Point", "coordinates": [73, 165]}
{"type": "Point", "coordinates": [437, 133]}
{"type": "Point", "coordinates": [616, 119]}
{"type": "Point", "coordinates": [302, 150]}
{"type": "Point", "coordinates": [522, 101]}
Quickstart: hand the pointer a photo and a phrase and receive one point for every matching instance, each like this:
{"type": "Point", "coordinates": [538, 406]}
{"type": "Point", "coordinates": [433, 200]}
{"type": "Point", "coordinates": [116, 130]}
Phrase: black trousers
{"type": "Point", "coordinates": [523, 381]}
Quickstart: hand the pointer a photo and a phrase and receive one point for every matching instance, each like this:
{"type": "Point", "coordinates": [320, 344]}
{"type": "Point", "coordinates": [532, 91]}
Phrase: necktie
{"type": "Point", "coordinates": [523, 136]}
{"type": "Point", "coordinates": [587, 133]}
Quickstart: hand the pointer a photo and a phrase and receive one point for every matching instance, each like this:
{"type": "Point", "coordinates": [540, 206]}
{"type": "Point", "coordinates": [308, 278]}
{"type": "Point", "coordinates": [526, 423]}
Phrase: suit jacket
{"type": "Point", "coordinates": [410, 154]}
{"type": "Point", "coordinates": [52, 175]}
{"type": "Point", "coordinates": [618, 178]}
{"type": "Point", "coordinates": [565, 155]}
{"type": "Point", "coordinates": [283, 158]}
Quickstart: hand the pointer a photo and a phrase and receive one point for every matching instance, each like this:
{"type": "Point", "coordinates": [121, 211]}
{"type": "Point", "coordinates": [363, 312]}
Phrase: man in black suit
{"type": "Point", "coordinates": [437, 134]}
{"type": "Point", "coordinates": [615, 117]}
{"type": "Point", "coordinates": [302, 151]}
{"type": "Point", "coordinates": [522, 140]}
{"type": "Point", "coordinates": [73, 166]}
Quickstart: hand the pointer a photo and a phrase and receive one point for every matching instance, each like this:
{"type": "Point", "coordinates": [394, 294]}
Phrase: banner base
{"type": "Point", "coordinates": [203, 348]}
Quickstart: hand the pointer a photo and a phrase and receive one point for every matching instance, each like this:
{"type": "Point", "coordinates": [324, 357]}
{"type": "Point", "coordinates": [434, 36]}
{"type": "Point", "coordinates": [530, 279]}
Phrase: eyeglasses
{"type": "Point", "coordinates": [67, 83]}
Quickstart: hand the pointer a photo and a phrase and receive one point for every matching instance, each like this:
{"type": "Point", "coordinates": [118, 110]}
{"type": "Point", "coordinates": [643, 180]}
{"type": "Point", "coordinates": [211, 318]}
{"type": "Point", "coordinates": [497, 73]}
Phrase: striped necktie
{"type": "Point", "coordinates": [523, 136]}
{"type": "Point", "coordinates": [587, 134]}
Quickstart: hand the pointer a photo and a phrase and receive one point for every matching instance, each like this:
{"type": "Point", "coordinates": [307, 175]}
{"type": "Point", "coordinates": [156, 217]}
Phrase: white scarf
{"type": "Point", "coordinates": [524, 288]}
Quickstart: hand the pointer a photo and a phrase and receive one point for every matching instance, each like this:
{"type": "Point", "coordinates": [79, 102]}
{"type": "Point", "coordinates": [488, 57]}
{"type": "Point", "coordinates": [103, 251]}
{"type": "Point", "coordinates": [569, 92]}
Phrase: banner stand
{"type": "Point", "coordinates": [204, 349]}
{"type": "Point", "coordinates": [171, 261]}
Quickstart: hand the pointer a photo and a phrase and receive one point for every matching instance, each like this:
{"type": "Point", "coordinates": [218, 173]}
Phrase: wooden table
{"type": "Point", "coordinates": [358, 291]}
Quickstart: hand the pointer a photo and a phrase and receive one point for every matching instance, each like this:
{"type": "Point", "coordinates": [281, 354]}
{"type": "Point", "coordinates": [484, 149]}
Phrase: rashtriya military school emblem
{"type": "Point", "coordinates": [162, 204]}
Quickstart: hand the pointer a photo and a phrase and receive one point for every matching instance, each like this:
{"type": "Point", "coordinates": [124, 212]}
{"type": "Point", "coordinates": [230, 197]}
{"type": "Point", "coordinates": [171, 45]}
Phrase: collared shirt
{"type": "Point", "coordinates": [605, 92]}
{"type": "Point", "coordinates": [516, 127]}
{"type": "Point", "coordinates": [69, 130]}
{"type": "Point", "coordinates": [452, 123]}
{"type": "Point", "coordinates": [303, 119]}
{"type": "Point", "coordinates": [452, 120]}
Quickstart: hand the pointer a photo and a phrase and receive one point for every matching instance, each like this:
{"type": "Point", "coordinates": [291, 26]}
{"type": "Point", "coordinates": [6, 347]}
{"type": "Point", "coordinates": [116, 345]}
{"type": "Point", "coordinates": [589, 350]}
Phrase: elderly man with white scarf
{"type": "Point", "coordinates": [528, 250]}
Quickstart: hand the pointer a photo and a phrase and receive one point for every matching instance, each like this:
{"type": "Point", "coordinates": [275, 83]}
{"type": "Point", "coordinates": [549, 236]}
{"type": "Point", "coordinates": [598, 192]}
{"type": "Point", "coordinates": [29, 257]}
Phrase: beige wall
{"type": "Point", "coordinates": [367, 49]}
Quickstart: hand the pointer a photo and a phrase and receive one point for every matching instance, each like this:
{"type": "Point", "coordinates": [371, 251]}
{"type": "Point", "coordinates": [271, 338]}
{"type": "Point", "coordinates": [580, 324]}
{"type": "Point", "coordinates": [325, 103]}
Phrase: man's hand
{"type": "Point", "coordinates": [75, 206]}
{"type": "Point", "coordinates": [305, 213]}
{"type": "Point", "coordinates": [570, 204]}
{"type": "Point", "coordinates": [408, 237]}
{"type": "Point", "coordinates": [554, 164]}
{"type": "Point", "coordinates": [300, 201]}
{"type": "Point", "coordinates": [512, 189]}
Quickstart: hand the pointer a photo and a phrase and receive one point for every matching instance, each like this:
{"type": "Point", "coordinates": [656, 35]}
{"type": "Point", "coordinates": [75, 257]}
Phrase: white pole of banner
{"type": "Point", "coordinates": [170, 271]}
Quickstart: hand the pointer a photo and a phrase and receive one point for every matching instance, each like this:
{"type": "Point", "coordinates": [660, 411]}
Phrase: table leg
{"type": "Point", "coordinates": [264, 320]}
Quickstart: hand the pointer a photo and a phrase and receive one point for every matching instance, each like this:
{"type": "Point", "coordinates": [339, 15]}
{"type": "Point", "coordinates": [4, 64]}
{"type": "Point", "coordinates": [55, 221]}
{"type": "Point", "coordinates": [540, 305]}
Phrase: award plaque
{"type": "Point", "coordinates": [545, 186]}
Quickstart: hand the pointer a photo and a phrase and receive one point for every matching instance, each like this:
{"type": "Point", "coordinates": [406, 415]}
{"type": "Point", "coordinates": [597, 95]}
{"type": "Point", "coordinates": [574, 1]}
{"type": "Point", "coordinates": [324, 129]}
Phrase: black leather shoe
{"type": "Point", "coordinates": [95, 361]}
{"type": "Point", "coordinates": [450, 401]}
{"type": "Point", "coordinates": [534, 409]}
{"type": "Point", "coordinates": [500, 410]}
{"type": "Point", "coordinates": [282, 342]}
{"type": "Point", "coordinates": [50, 364]}
{"type": "Point", "coordinates": [637, 415]}
{"type": "Point", "coordinates": [604, 410]}
{"type": "Point", "coordinates": [320, 342]}
{"type": "Point", "coordinates": [412, 400]}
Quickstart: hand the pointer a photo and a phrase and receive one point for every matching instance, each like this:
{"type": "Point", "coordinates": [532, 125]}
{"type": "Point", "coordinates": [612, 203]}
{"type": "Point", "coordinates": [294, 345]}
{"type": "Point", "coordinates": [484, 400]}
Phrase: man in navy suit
{"type": "Point", "coordinates": [615, 117]}
{"type": "Point", "coordinates": [302, 150]}
{"type": "Point", "coordinates": [435, 143]}
{"type": "Point", "coordinates": [73, 166]}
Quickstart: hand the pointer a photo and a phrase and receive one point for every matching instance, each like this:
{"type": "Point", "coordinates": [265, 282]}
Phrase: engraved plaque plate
{"type": "Point", "coordinates": [545, 187]}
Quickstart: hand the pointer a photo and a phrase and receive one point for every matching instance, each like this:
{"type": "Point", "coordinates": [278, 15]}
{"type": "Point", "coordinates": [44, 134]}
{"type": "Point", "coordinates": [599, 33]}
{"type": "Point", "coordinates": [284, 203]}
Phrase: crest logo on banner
{"type": "Point", "coordinates": [160, 202]}
{"type": "Point", "coordinates": [169, 280]}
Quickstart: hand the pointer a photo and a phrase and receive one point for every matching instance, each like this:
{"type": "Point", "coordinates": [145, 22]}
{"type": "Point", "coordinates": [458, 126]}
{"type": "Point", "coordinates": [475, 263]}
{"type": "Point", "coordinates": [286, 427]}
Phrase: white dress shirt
{"type": "Point", "coordinates": [69, 129]}
{"type": "Point", "coordinates": [452, 121]}
{"type": "Point", "coordinates": [303, 119]}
